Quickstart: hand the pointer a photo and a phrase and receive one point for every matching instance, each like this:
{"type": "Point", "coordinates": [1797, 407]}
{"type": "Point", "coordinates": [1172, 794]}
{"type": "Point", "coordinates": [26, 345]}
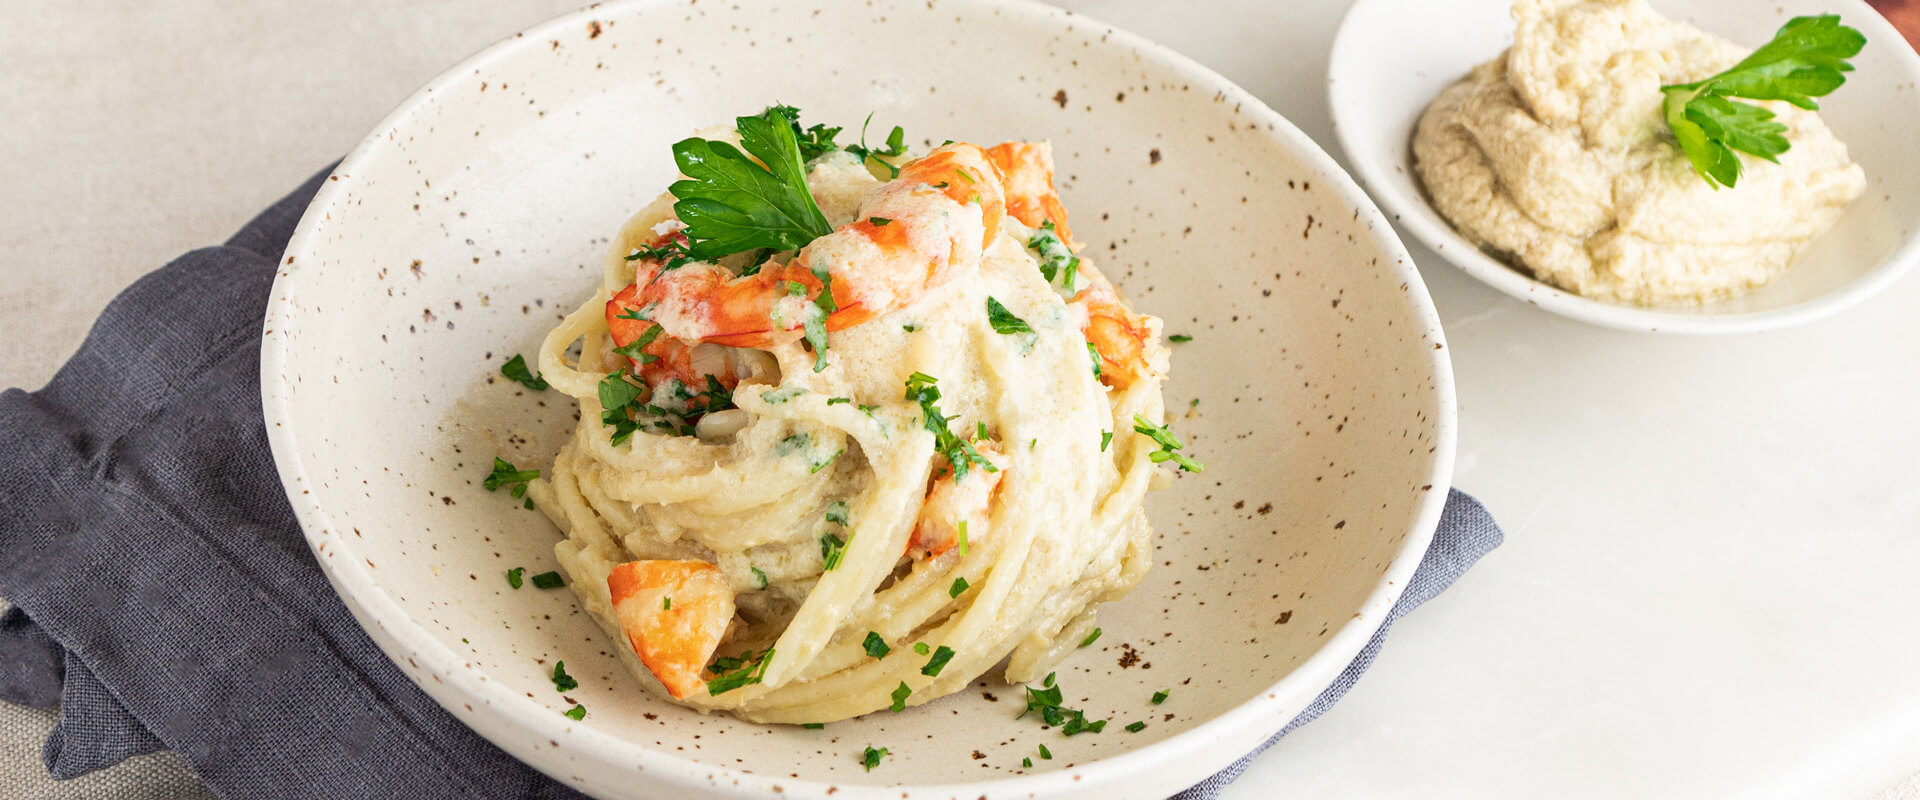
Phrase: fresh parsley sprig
{"type": "Point", "coordinates": [731, 204]}
{"type": "Point", "coordinates": [1805, 60]}
{"type": "Point", "coordinates": [733, 672]}
{"type": "Point", "coordinates": [960, 453]}
{"type": "Point", "coordinates": [896, 146]}
{"type": "Point", "coordinates": [504, 474]}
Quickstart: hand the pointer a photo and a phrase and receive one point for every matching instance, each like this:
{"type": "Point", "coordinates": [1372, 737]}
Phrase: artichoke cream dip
{"type": "Point", "coordinates": [1556, 155]}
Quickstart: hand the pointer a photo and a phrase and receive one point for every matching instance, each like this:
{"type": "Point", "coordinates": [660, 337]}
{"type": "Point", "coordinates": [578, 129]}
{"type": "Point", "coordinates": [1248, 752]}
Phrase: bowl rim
{"type": "Point", "coordinates": [1416, 215]}
{"type": "Point", "coordinates": [1192, 753]}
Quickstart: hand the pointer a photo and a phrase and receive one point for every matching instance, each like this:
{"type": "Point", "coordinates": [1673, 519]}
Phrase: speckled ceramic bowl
{"type": "Point", "coordinates": [475, 215]}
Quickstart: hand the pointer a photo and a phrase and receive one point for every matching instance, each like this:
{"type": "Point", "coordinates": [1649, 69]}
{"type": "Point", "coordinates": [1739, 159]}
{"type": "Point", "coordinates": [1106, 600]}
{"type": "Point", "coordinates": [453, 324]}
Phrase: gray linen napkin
{"type": "Point", "coordinates": [164, 596]}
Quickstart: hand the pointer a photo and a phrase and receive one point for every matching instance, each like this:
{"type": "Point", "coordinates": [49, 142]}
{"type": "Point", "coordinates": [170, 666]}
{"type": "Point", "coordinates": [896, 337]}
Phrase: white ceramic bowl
{"type": "Point", "coordinates": [1389, 63]}
{"type": "Point", "coordinates": [470, 219]}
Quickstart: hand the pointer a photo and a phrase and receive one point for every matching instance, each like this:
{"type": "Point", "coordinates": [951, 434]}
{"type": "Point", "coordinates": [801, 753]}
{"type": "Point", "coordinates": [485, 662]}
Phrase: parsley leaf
{"type": "Point", "coordinates": [577, 713]}
{"type": "Point", "coordinates": [1180, 338]}
{"type": "Point", "coordinates": [732, 204]}
{"type": "Point", "coordinates": [939, 661]}
{"type": "Point", "coordinates": [1058, 264]}
{"type": "Point", "coordinates": [1136, 727]}
{"type": "Point", "coordinates": [1169, 446]}
{"type": "Point", "coordinates": [921, 648]}
{"type": "Point", "coordinates": [815, 141]}
{"type": "Point", "coordinates": [900, 695]}
{"type": "Point", "coordinates": [1160, 696]}
{"type": "Point", "coordinates": [958, 588]}
{"type": "Point", "coordinates": [759, 578]}
{"type": "Point", "coordinates": [513, 576]}
{"type": "Point", "coordinates": [876, 646]}
{"type": "Point", "coordinates": [960, 453]}
{"type": "Point", "coordinates": [1046, 702]}
{"type": "Point", "coordinates": [1806, 59]}
{"type": "Point", "coordinates": [1091, 638]}
{"type": "Point", "coordinates": [1003, 321]}
{"type": "Point", "coordinates": [733, 673]}
{"type": "Point", "coordinates": [672, 255]}
{"type": "Point", "coordinates": [636, 348]}
{"type": "Point", "coordinates": [504, 474]}
{"type": "Point", "coordinates": [548, 580]}
{"type": "Point", "coordinates": [896, 146]}
{"type": "Point", "coordinates": [871, 758]}
{"type": "Point", "coordinates": [832, 549]}
{"type": "Point", "coordinates": [562, 682]}
{"type": "Point", "coordinates": [516, 370]}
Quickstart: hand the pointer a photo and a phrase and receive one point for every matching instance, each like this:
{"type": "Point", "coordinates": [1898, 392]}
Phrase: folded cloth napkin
{"type": "Point", "coordinates": [164, 596]}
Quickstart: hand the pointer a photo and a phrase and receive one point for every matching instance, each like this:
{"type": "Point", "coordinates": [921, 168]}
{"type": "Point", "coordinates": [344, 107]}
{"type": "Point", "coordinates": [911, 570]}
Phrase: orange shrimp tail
{"type": "Point", "coordinates": [1031, 196]}
{"type": "Point", "coordinates": [674, 614]}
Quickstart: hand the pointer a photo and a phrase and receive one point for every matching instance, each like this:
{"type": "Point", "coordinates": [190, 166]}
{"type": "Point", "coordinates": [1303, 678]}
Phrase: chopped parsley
{"type": "Point", "coordinates": [1179, 338]}
{"type": "Point", "coordinates": [742, 670]}
{"type": "Point", "coordinates": [620, 401]}
{"type": "Point", "coordinates": [960, 453]}
{"type": "Point", "coordinates": [900, 695]}
{"type": "Point", "coordinates": [759, 578]}
{"type": "Point", "coordinates": [958, 588]}
{"type": "Point", "coordinates": [939, 661]}
{"type": "Point", "coordinates": [636, 348]}
{"type": "Point", "coordinates": [1058, 264]}
{"type": "Point", "coordinates": [547, 580]}
{"type": "Point", "coordinates": [921, 648]}
{"type": "Point", "coordinates": [516, 370]}
{"type": "Point", "coordinates": [1160, 696]}
{"type": "Point", "coordinates": [576, 713]}
{"type": "Point", "coordinates": [839, 401]}
{"type": "Point", "coordinates": [871, 758]}
{"type": "Point", "coordinates": [513, 576]}
{"type": "Point", "coordinates": [879, 222]}
{"type": "Point", "coordinates": [719, 397]}
{"type": "Point", "coordinates": [1045, 753]}
{"type": "Point", "coordinates": [1091, 638]}
{"type": "Point", "coordinates": [1136, 727]}
{"type": "Point", "coordinates": [666, 604]}
{"type": "Point", "coordinates": [1094, 353]}
{"type": "Point", "coordinates": [963, 538]}
{"type": "Point", "coordinates": [814, 141]}
{"type": "Point", "coordinates": [896, 146]}
{"type": "Point", "coordinates": [1169, 446]}
{"type": "Point", "coordinates": [1027, 762]}
{"type": "Point", "coordinates": [813, 726]}
{"type": "Point", "coordinates": [673, 255]}
{"type": "Point", "coordinates": [562, 682]}
{"type": "Point", "coordinates": [731, 203]}
{"type": "Point", "coordinates": [832, 549]}
{"type": "Point", "coordinates": [1003, 321]}
{"type": "Point", "coordinates": [837, 513]}
{"type": "Point", "coordinates": [504, 474]}
{"type": "Point", "coordinates": [876, 646]}
{"type": "Point", "coordinates": [1106, 438]}
{"type": "Point", "coordinates": [1046, 702]}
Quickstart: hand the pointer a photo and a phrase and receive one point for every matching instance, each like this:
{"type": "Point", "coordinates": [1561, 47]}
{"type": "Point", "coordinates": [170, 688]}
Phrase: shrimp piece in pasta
{"type": "Point", "coordinates": [675, 614]}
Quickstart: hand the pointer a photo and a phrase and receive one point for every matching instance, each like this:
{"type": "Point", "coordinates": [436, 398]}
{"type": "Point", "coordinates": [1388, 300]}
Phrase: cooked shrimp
{"type": "Point", "coordinates": [1122, 339]}
{"type": "Point", "coordinates": [1031, 197]}
{"type": "Point", "coordinates": [912, 235]}
{"type": "Point", "coordinates": [956, 511]}
{"type": "Point", "coordinates": [674, 614]}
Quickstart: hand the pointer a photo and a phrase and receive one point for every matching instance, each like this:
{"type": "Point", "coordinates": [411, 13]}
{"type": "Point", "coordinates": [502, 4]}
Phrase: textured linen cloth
{"type": "Point", "coordinates": [165, 598]}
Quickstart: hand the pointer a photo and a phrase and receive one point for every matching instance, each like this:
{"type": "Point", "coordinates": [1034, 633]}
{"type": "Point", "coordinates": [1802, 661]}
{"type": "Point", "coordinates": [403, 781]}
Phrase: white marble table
{"type": "Point", "coordinates": [1708, 587]}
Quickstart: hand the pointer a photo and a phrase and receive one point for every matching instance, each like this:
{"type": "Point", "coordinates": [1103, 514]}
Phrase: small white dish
{"type": "Point", "coordinates": [1392, 57]}
{"type": "Point", "coordinates": [471, 218]}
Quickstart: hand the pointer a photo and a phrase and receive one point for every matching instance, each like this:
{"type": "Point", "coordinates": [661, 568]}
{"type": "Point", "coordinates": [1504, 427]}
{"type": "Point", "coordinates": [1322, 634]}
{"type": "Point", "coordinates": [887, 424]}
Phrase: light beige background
{"type": "Point", "coordinates": [132, 132]}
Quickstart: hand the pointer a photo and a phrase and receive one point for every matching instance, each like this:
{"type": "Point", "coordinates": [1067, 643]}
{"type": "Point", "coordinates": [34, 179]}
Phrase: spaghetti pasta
{"type": "Point", "coordinates": [775, 519]}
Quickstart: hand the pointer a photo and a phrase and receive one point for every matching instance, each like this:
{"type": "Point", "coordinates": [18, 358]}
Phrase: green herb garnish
{"type": "Point", "coordinates": [504, 474]}
{"type": "Point", "coordinates": [513, 576]}
{"type": "Point", "coordinates": [900, 695]}
{"type": "Point", "coordinates": [740, 671]}
{"type": "Point", "coordinates": [1179, 338]}
{"type": "Point", "coordinates": [921, 648]}
{"type": "Point", "coordinates": [876, 646]}
{"type": "Point", "coordinates": [872, 757]}
{"type": "Point", "coordinates": [759, 578]}
{"type": "Point", "coordinates": [548, 580]}
{"type": "Point", "coordinates": [1806, 59]}
{"type": "Point", "coordinates": [813, 726]}
{"type": "Point", "coordinates": [577, 713]}
{"type": "Point", "coordinates": [1169, 446]}
{"type": "Point", "coordinates": [636, 348]}
{"type": "Point", "coordinates": [562, 682]}
{"type": "Point", "coordinates": [960, 453]}
{"type": "Point", "coordinates": [832, 549]}
{"type": "Point", "coordinates": [1045, 753]}
{"type": "Point", "coordinates": [516, 369]}
{"type": "Point", "coordinates": [1091, 638]}
{"type": "Point", "coordinates": [939, 661]}
{"type": "Point", "coordinates": [731, 204]}
{"type": "Point", "coordinates": [1058, 264]}
{"type": "Point", "coordinates": [1045, 701]}
{"type": "Point", "coordinates": [896, 146]}
{"type": "Point", "coordinates": [1136, 727]}
{"type": "Point", "coordinates": [958, 588]}
{"type": "Point", "coordinates": [1003, 321]}
{"type": "Point", "coordinates": [1106, 438]}
{"type": "Point", "coordinates": [1160, 696]}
